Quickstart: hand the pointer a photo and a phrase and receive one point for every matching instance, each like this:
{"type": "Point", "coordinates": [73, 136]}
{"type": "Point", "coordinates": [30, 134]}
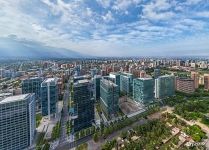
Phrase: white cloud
{"type": "Point", "coordinates": [157, 10]}
{"type": "Point", "coordinates": [193, 2]}
{"type": "Point", "coordinates": [79, 27]}
{"type": "Point", "coordinates": [104, 3]}
{"type": "Point", "coordinates": [203, 14]}
{"type": "Point", "coordinates": [108, 17]}
{"type": "Point", "coordinates": [124, 4]}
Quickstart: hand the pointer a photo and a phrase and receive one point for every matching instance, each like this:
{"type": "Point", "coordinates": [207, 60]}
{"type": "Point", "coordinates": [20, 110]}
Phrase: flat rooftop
{"type": "Point", "coordinates": [14, 98]}
{"type": "Point", "coordinates": [50, 80]}
{"type": "Point", "coordinates": [97, 76]}
{"type": "Point", "coordinates": [108, 82]}
{"type": "Point", "coordinates": [83, 81]}
{"type": "Point", "coordinates": [144, 78]}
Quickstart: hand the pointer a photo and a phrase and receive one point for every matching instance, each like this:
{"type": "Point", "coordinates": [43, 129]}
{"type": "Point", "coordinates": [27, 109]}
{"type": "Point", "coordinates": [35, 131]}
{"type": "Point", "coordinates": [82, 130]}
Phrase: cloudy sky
{"type": "Point", "coordinates": [111, 27]}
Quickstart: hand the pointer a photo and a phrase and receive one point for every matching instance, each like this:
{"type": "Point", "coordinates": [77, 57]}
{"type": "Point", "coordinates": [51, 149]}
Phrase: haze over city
{"type": "Point", "coordinates": [105, 27]}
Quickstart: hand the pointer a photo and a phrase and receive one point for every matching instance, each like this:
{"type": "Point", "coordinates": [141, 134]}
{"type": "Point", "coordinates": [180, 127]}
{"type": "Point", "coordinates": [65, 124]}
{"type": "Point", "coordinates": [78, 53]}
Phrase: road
{"type": "Point", "coordinates": [69, 145]}
{"type": "Point", "coordinates": [65, 115]}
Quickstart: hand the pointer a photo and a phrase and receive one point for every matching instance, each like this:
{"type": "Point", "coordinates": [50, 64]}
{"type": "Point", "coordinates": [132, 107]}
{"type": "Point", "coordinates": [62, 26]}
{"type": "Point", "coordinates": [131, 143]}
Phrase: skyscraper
{"type": "Point", "coordinates": [116, 78]}
{"type": "Point", "coordinates": [109, 97]}
{"type": "Point", "coordinates": [49, 96]}
{"type": "Point", "coordinates": [17, 122]}
{"type": "Point", "coordinates": [164, 86]}
{"type": "Point", "coordinates": [206, 82]}
{"type": "Point", "coordinates": [195, 77]}
{"type": "Point", "coordinates": [126, 83]}
{"type": "Point", "coordinates": [83, 104]}
{"type": "Point", "coordinates": [143, 90]}
{"type": "Point", "coordinates": [97, 79]}
{"type": "Point", "coordinates": [33, 85]}
{"type": "Point", "coordinates": [157, 73]}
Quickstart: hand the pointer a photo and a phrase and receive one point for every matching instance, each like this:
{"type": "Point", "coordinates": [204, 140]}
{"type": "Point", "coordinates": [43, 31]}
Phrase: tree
{"type": "Point", "coordinates": [96, 137]}
{"type": "Point", "coordinates": [124, 134]}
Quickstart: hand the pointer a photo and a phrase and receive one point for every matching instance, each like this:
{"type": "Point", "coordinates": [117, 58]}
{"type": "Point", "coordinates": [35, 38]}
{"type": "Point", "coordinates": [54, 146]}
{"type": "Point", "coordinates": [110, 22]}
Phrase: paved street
{"type": "Point", "coordinates": [69, 145]}
{"type": "Point", "coordinates": [65, 115]}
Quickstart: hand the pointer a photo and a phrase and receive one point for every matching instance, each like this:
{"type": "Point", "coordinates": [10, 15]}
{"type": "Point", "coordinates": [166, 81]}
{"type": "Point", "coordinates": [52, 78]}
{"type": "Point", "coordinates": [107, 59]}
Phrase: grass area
{"type": "Point", "coordinates": [38, 119]}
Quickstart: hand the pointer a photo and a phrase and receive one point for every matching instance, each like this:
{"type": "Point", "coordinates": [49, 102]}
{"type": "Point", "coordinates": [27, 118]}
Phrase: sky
{"type": "Point", "coordinates": [111, 27]}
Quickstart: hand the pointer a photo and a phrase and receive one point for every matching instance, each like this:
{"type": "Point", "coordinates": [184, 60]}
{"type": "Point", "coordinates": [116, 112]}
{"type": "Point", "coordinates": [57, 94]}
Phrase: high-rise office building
{"type": "Point", "coordinates": [49, 97]}
{"type": "Point", "coordinates": [157, 73]}
{"type": "Point", "coordinates": [206, 82]}
{"type": "Point", "coordinates": [164, 86]}
{"type": "Point", "coordinates": [185, 85]}
{"type": "Point", "coordinates": [33, 85]}
{"type": "Point", "coordinates": [143, 90]}
{"type": "Point", "coordinates": [83, 104]}
{"type": "Point", "coordinates": [115, 77]}
{"type": "Point", "coordinates": [17, 122]}
{"type": "Point", "coordinates": [96, 80]}
{"type": "Point", "coordinates": [195, 77]}
{"type": "Point", "coordinates": [126, 83]}
{"type": "Point", "coordinates": [109, 97]}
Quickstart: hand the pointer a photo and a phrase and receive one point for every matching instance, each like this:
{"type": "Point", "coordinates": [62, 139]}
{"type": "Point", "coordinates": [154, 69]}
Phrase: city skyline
{"type": "Point", "coordinates": [107, 27]}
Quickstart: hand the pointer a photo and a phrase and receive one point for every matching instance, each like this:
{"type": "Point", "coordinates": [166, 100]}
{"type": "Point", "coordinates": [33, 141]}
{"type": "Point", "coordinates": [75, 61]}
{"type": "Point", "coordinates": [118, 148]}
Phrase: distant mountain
{"type": "Point", "coordinates": [11, 47]}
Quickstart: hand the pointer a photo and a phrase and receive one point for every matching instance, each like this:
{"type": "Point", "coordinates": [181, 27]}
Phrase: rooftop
{"type": "Point", "coordinates": [50, 80]}
{"type": "Point", "coordinates": [108, 82]}
{"type": "Point", "coordinates": [144, 78]}
{"type": "Point", "coordinates": [83, 81]}
{"type": "Point", "coordinates": [97, 76]}
{"type": "Point", "coordinates": [14, 98]}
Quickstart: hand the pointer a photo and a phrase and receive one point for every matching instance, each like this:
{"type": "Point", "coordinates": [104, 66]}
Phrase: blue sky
{"type": "Point", "coordinates": [111, 27]}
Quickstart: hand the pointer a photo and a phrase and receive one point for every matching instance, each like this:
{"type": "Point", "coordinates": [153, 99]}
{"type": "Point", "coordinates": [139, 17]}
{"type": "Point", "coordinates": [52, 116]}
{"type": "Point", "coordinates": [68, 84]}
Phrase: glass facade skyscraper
{"type": "Point", "coordinates": [143, 90]}
{"type": "Point", "coordinates": [164, 86]}
{"type": "Point", "coordinates": [17, 122]}
{"type": "Point", "coordinates": [83, 104]}
{"type": "Point", "coordinates": [126, 83]}
{"type": "Point", "coordinates": [109, 97]}
{"type": "Point", "coordinates": [96, 80]}
{"type": "Point", "coordinates": [115, 77]}
{"type": "Point", "coordinates": [49, 96]}
{"type": "Point", "coordinates": [33, 85]}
